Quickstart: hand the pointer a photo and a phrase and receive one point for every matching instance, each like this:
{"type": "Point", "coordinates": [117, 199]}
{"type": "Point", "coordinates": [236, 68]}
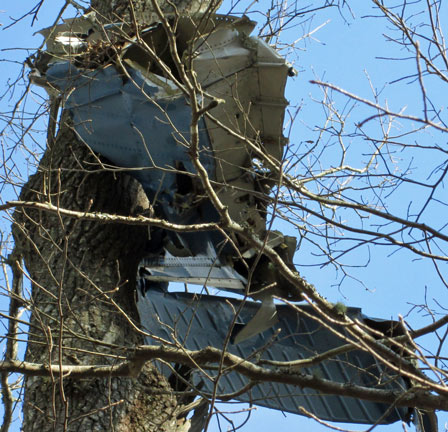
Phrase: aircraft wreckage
{"type": "Point", "coordinates": [125, 108]}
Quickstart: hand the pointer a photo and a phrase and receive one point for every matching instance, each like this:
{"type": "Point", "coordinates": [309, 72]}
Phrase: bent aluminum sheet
{"type": "Point", "coordinates": [200, 321]}
{"type": "Point", "coordinates": [133, 123]}
{"type": "Point", "coordinates": [198, 270]}
{"type": "Point", "coordinates": [138, 123]}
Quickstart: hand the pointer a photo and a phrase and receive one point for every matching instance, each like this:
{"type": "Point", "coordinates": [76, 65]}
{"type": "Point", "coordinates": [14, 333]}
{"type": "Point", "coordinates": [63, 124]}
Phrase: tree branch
{"type": "Point", "coordinates": [415, 397]}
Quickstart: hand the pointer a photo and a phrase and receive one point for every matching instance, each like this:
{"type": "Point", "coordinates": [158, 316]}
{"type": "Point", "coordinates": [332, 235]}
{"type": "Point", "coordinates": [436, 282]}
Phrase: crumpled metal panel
{"type": "Point", "coordinates": [72, 36]}
{"type": "Point", "coordinates": [137, 124]}
{"type": "Point", "coordinates": [121, 120]}
{"type": "Point", "coordinates": [250, 77]}
{"type": "Point", "coordinates": [142, 122]}
{"type": "Point", "coordinates": [200, 321]}
{"type": "Point", "coordinates": [244, 72]}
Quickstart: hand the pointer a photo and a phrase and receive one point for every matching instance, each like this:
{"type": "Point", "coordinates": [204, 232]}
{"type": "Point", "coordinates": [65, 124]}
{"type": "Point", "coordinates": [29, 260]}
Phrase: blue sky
{"type": "Point", "coordinates": [345, 52]}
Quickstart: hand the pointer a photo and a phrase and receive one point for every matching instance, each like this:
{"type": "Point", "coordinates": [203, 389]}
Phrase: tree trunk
{"type": "Point", "coordinates": [83, 285]}
{"type": "Point", "coordinates": [77, 268]}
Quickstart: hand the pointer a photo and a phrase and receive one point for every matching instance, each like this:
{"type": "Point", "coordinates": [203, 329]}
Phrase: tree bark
{"type": "Point", "coordinates": [79, 269]}
{"type": "Point", "coordinates": [82, 275]}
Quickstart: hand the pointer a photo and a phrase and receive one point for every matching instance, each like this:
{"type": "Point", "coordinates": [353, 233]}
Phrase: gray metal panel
{"type": "Point", "coordinates": [121, 120]}
{"type": "Point", "coordinates": [200, 321]}
{"type": "Point", "coordinates": [203, 269]}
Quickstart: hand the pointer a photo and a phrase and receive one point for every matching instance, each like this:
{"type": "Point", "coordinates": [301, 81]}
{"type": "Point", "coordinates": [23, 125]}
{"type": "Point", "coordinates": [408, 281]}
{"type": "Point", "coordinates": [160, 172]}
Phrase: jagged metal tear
{"type": "Point", "coordinates": [196, 322]}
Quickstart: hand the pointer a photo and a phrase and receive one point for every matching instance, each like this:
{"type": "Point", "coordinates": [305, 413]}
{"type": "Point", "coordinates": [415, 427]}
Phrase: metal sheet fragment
{"type": "Point", "coordinates": [138, 119]}
{"type": "Point", "coordinates": [196, 321]}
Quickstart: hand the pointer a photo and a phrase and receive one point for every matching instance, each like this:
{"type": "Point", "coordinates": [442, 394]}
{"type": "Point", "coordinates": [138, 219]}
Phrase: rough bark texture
{"type": "Point", "coordinates": [76, 267]}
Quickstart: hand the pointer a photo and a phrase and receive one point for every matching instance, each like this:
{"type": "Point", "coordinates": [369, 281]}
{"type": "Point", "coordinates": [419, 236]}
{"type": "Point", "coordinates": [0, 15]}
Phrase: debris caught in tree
{"type": "Point", "coordinates": [127, 102]}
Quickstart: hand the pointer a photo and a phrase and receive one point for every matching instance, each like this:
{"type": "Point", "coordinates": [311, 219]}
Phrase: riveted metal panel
{"type": "Point", "coordinates": [201, 321]}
